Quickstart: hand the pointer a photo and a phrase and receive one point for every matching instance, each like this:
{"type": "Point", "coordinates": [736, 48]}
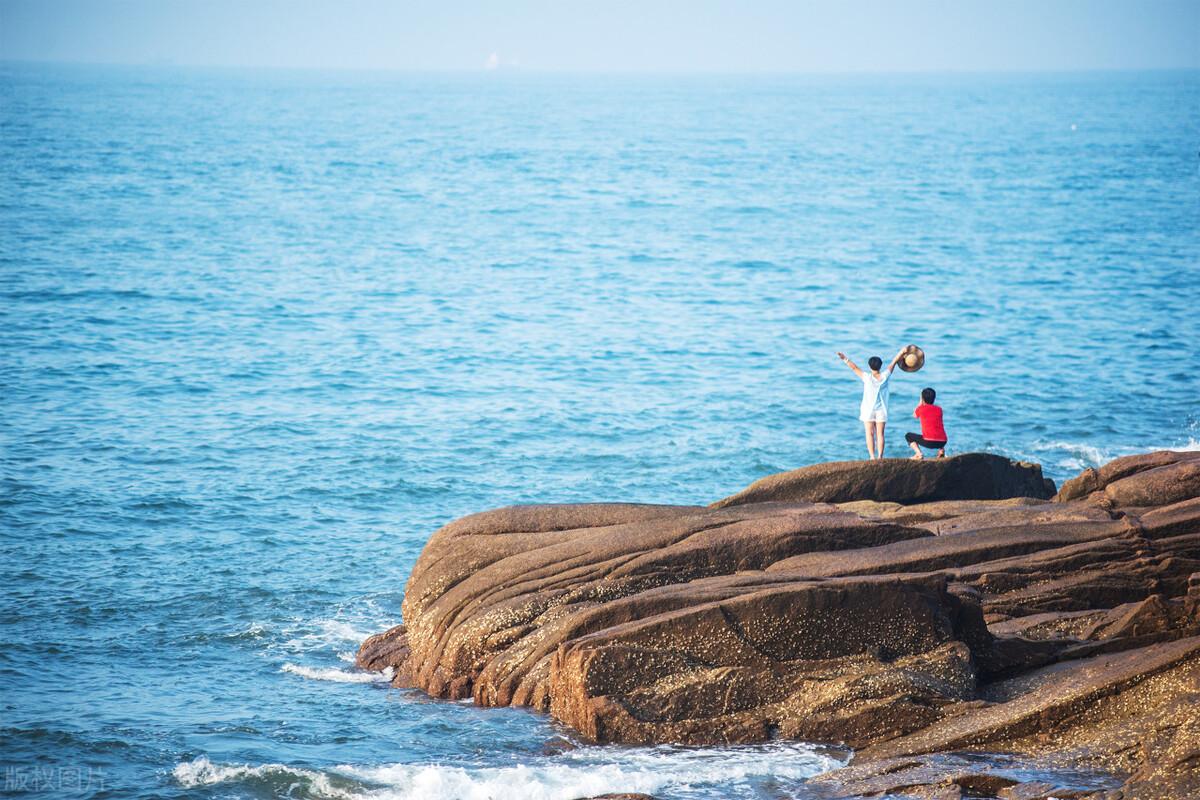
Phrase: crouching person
{"type": "Point", "coordinates": [933, 432]}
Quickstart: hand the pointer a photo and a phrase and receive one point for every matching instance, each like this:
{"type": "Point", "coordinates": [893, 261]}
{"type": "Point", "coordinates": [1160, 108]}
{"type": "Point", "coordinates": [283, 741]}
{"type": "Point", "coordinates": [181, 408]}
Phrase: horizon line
{"type": "Point", "coordinates": [568, 71]}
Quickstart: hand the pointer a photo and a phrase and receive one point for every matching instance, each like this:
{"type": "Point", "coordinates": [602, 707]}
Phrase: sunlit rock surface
{"type": "Point", "coordinates": [906, 609]}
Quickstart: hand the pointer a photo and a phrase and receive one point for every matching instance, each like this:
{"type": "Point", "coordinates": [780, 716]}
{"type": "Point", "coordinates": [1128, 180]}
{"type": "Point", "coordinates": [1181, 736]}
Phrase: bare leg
{"type": "Point", "coordinates": [870, 430]}
{"type": "Point", "coordinates": [879, 426]}
{"type": "Point", "coordinates": [916, 449]}
{"type": "Point", "coordinates": [942, 453]}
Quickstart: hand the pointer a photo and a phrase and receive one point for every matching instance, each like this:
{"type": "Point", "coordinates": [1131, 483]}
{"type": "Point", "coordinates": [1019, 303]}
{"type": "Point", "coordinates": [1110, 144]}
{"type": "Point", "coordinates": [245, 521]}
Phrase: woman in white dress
{"type": "Point", "coordinates": [874, 408]}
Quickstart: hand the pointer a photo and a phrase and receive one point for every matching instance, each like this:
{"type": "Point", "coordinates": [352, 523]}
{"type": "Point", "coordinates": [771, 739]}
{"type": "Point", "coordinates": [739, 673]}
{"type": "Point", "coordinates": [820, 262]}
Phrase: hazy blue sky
{"type": "Point", "coordinates": [641, 35]}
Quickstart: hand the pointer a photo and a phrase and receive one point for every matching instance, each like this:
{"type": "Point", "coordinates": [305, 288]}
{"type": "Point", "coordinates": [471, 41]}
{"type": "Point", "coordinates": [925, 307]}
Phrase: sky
{"type": "Point", "coordinates": [677, 36]}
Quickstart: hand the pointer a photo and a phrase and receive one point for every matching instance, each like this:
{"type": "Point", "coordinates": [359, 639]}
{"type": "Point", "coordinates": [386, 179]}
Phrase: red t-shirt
{"type": "Point", "coordinates": [931, 422]}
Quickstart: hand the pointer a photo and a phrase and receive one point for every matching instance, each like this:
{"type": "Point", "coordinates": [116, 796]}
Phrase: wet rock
{"type": "Point", "coordinates": [387, 650]}
{"type": "Point", "coordinates": [558, 744]}
{"type": "Point", "coordinates": [957, 774]}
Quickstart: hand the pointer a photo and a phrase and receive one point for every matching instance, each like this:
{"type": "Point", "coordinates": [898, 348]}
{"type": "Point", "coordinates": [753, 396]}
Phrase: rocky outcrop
{"type": "Point", "coordinates": [971, 476]}
{"type": "Point", "coordinates": [1133, 714]}
{"type": "Point", "coordinates": [944, 606]}
{"type": "Point", "coordinates": [1136, 477]}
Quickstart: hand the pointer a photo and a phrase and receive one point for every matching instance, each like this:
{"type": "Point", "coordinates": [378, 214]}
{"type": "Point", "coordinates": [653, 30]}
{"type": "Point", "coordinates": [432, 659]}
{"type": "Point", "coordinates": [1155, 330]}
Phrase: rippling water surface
{"type": "Point", "coordinates": [262, 333]}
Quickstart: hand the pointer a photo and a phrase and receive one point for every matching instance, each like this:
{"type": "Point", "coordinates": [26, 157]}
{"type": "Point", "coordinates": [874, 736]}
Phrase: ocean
{"type": "Point", "coordinates": [264, 332]}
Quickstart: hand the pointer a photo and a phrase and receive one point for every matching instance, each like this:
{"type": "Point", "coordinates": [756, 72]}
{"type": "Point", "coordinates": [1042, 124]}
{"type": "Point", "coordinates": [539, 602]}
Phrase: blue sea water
{"type": "Point", "coordinates": [262, 333]}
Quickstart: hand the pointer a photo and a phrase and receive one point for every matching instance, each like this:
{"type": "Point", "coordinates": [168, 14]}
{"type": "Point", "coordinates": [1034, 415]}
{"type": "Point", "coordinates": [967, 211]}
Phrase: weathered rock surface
{"type": "Point", "coordinates": [945, 606]}
{"type": "Point", "coordinates": [970, 476]}
{"type": "Point", "coordinates": [1099, 479]}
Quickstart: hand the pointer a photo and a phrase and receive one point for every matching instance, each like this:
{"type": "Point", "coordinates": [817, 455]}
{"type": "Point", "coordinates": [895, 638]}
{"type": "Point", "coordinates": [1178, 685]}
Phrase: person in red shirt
{"type": "Point", "coordinates": [933, 434]}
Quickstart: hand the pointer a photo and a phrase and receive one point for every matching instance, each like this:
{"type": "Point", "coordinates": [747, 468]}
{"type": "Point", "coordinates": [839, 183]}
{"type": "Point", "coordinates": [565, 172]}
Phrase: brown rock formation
{"type": "Point", "coordinates": [971, 476]}
{"type": "Point", "coordinates": [926, 615]}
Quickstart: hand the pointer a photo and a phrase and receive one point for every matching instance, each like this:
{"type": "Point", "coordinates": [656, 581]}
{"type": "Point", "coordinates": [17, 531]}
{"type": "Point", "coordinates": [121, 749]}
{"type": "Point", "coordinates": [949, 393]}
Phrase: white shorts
{"type": "Point", "coordinates": [878, 415]}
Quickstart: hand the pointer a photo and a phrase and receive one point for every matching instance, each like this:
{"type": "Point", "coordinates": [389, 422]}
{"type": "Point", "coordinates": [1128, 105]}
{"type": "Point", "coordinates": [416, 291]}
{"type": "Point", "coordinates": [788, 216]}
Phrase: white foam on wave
{"type": "Point", "coordinates": [321, 634]}
{"type": "Point", "coordinates": [310, 783]}
{"type": "Point", "coordinates": [1077, 456]}
{"type": "Point", "coordinates": [338, 675]}
{"type": "Point", "coordinates": [252, 631]}
{"type": "Point", "coordinates": [328, 632]}
{"type": "Point", "coordinates": [729, 771]}
{"type": "Point", "coordinates": [602, 770]}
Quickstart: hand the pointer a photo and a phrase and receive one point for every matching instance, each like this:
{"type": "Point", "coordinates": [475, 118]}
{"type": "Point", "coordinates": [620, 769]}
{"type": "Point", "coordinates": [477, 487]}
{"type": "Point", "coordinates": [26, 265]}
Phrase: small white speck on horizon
{"type": "Point", "coordinates": [495, 61]}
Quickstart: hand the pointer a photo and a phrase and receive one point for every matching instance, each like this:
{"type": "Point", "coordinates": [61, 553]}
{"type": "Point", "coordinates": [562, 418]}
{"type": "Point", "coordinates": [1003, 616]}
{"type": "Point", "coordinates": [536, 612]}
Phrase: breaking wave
{"type": "Point", "coordinates": [338, 675]}
{"type": "Point", "coordinates": [668, 772]}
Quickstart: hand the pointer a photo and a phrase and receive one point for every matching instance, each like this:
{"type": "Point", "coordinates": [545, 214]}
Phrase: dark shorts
{"type": "Point", "coordinates": [916, 438]}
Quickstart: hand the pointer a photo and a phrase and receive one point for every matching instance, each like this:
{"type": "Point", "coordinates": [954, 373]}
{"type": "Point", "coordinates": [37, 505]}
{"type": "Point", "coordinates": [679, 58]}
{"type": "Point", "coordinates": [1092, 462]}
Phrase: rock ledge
{"type": "Point", "coordinates": [945, 606]}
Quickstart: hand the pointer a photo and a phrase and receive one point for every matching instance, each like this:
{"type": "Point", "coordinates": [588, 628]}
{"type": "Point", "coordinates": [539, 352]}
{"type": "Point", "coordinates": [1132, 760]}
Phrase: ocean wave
{"type": "Point", "coordinates": [338, 675]}
{"type": "Point", "coordinates": [250, 633]}
{"type": "Point", "coordinates": [1075, 455]}
{"type": "Point", "coordinates": [1078, 456]}
{"type": "Point", "coordinates": [279, 779]}
{"type": "Point", "coordinates": [585, 772]}
{"type": "Point", "coordinates": [253, 631]}
{"type": "Point", "coordinates": [602, 770]}
{"type": "Point", "coordinates": [329, 632]}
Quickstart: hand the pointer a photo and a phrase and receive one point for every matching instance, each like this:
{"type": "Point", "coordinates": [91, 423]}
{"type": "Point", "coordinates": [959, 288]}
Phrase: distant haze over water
{"type": "Point", "coordinates": [264, 332]}
{"type": "Point", "coordinates": [666, 36]}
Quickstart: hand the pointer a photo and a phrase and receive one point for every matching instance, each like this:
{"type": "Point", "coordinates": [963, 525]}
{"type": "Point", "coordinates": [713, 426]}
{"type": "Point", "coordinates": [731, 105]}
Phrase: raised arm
{"type": "Point", "coordinates": [850, 364]}
{"type": "Point", "coordinates": [896, 360]}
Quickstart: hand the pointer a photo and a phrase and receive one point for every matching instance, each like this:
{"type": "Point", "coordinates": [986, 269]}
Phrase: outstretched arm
{"type": "Point", "coordinates": [896, 360]}
{"type": "Point", "coordinates": [850, 364]}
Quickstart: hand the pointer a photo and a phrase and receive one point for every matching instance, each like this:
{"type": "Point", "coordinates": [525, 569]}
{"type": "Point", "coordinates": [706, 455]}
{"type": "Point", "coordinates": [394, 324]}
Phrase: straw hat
{"type": "Point", "coordinates": [914, 359]}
